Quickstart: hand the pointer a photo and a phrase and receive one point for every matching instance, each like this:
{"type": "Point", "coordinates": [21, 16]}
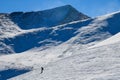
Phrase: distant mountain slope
{"type": "Point", "coordinates": [43, 36]}
{"type": "Point", "coordinates": [77, 32]}
{"type": "Point", "coordinates": [99, 28]}
{"type": "Point", "coordinates": [47, 18]}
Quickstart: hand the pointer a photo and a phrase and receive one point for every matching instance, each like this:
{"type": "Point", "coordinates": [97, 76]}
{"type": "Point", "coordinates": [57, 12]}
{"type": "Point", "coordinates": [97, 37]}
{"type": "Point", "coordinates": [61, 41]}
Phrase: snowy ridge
{"type": "Point", "coordinates": [98, 29]}
{"type": "Point", "coordinates": [47, 18]}
{"type": "Point", "coordinates": [111, 40]}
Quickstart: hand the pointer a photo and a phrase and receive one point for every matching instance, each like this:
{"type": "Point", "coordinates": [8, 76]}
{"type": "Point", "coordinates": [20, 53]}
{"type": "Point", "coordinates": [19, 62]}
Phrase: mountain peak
{"type": "Point", "coordinates": [47, 18]}
{"type": "Point", "coordinates": [64, 6]}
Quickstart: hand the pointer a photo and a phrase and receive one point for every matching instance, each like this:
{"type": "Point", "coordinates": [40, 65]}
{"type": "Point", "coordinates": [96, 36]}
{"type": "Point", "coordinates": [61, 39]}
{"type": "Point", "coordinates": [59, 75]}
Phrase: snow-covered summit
{"type": "Point", "coordinates": [47, 18]}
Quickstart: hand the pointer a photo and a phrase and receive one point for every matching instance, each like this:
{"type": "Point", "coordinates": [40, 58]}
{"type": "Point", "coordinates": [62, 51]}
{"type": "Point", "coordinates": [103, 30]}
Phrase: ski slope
{"type": "Point", "coordinates": [96, 63]}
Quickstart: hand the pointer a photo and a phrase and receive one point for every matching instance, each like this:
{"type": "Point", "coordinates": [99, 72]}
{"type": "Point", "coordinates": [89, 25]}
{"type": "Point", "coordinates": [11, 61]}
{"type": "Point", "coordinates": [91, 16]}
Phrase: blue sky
{"type": "Point", "coordinates": [90, 7]}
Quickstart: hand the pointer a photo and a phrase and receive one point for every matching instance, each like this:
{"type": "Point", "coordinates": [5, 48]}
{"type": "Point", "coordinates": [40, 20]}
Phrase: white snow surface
{"type": "Point", "coordinates": [7, 27]}
{"type": "Point", "coordinates": [100, 63]}
{"type": "Point", "coordinates": [90, 53]}
{"type": "Point", "coordinates": [111, 40]}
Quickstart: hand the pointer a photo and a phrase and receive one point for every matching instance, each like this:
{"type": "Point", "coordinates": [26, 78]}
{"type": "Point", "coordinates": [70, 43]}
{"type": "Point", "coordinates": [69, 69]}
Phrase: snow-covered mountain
{"type": "Point", "coordinates": [68, 44]}
{"type": "Point", "coordinates": [18, 27]}
{"type": "Point", "coordinates": [47, 18]}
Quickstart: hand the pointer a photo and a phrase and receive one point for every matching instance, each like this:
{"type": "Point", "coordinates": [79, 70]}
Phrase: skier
{"type": "Point", "coordinates": [42, 70]}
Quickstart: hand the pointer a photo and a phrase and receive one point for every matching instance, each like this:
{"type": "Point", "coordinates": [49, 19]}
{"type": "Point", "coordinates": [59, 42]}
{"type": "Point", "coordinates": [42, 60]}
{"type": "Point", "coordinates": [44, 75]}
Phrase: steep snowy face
{"type": "Point", "coordinates": [98, 29]}
{"type": "Point", "coordinates": [44, 37]}
{"type": "Point", "coordinates": [7, 27]}
{"type": "Point", "coordinates": [114, 23]}
{"type": "Point", "coordinates": [95, 31]}
{"type": "Point", "coordinates": [47, 18]}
